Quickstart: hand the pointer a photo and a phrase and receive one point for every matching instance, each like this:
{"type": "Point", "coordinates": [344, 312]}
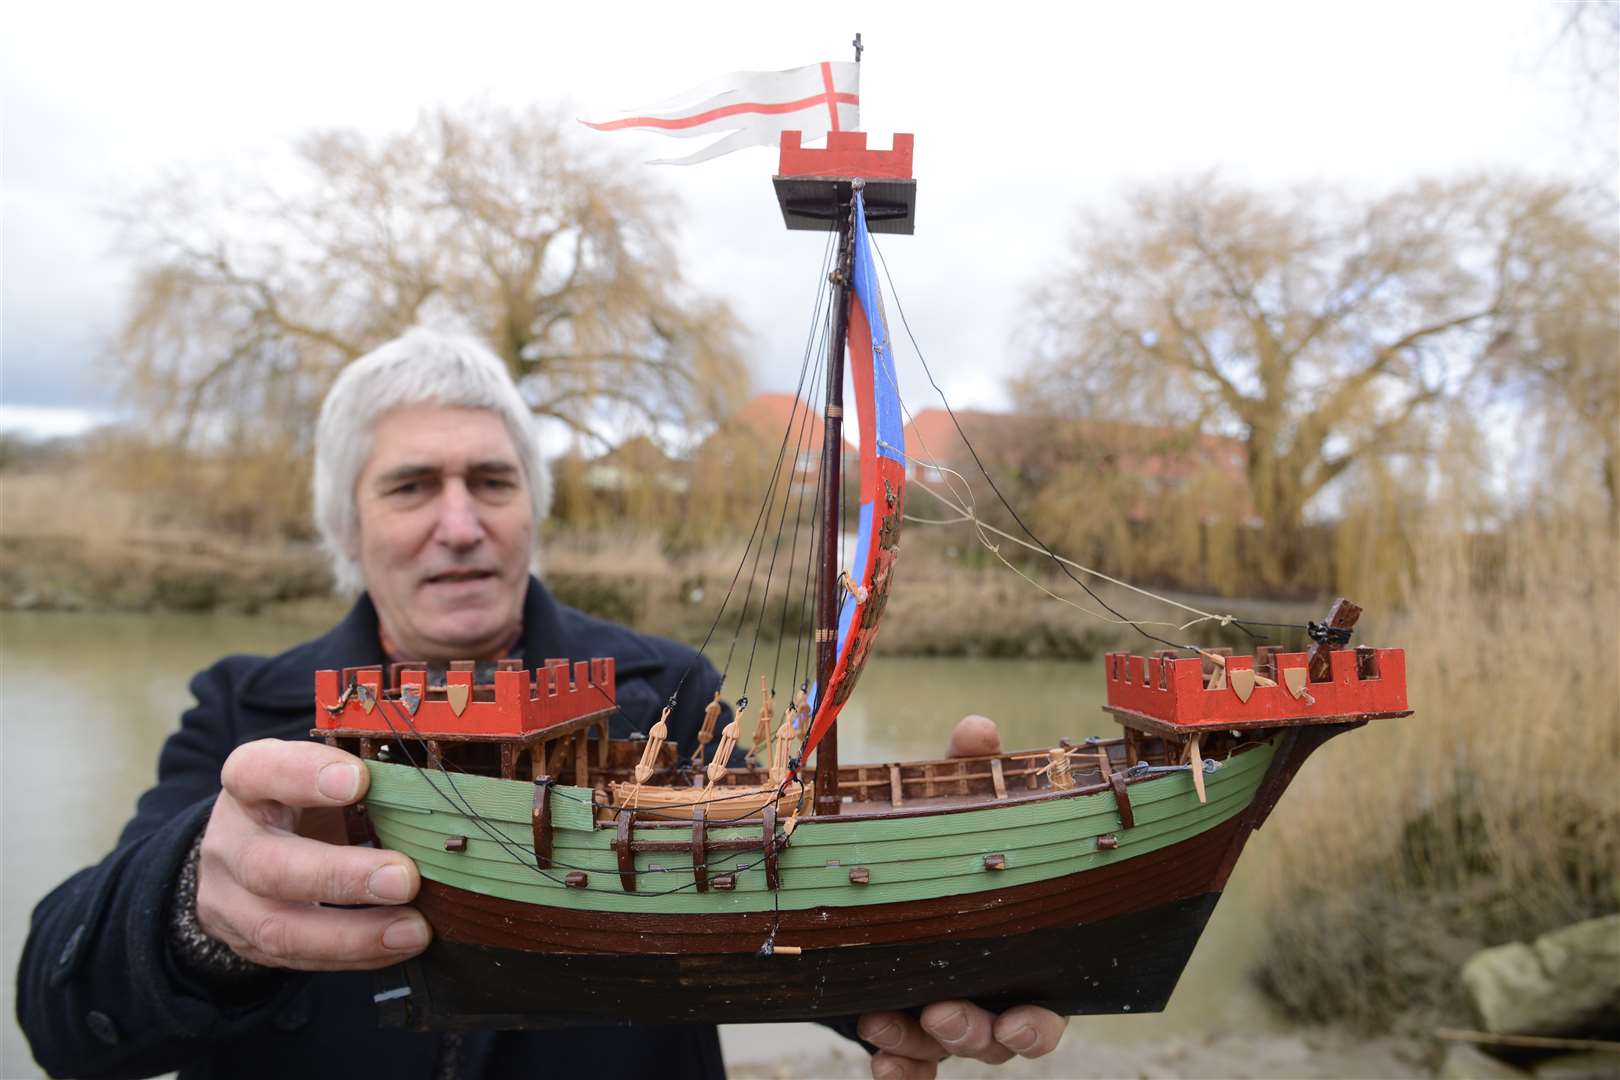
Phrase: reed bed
{"type": "Point", "coordinates": [1492, 814]}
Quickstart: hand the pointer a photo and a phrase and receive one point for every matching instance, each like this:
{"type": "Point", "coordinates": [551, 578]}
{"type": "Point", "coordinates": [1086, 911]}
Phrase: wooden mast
{"type": "Point", "coordinates": [828, 798]}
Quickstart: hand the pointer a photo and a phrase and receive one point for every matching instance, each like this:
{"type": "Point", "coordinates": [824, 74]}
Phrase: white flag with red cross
{"type": "Point", "coordinates": [755, 107]}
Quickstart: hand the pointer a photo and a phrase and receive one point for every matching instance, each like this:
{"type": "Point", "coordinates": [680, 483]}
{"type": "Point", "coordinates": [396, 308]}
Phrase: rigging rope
{"type": "Point", "coordinates": [821, 290]}
{"type": "Point", "coordinates": [1039, 544]}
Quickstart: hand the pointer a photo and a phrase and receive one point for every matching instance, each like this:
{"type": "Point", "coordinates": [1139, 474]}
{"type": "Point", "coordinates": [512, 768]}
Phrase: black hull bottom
{"type": "Point", "coordinates": [1128, 963]}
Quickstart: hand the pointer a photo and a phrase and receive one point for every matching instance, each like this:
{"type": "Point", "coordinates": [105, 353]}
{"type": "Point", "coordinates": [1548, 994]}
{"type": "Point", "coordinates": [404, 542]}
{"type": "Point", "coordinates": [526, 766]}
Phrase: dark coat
{"type": "Point", "coordinates": [99, 993]}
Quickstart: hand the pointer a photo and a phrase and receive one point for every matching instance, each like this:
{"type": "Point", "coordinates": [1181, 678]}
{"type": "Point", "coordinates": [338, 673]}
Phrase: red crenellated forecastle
{"type": "Point", "coordinates": [1168, 695]}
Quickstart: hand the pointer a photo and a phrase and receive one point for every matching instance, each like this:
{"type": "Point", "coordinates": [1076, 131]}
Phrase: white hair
{"type": "Point", "coordinates": [421, 367]}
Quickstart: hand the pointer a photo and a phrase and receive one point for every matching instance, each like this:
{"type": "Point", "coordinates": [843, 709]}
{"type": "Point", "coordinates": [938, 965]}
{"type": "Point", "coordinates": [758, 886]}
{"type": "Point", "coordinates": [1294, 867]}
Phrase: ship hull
{"type": "Point", "coordinates": [1127, 962]}
{"type": "Point", "coordinates": [1094, 904]}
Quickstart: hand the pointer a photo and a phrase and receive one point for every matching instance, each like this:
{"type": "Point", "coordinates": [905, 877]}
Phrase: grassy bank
{"type": "Point", "coordinates": [1490, 815]}
{"type": "Point", "coordinates": [69, 543]}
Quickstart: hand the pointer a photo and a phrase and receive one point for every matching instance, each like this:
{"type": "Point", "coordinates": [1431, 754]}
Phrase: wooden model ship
{"type": "Point", "coordinates": [573, 877]}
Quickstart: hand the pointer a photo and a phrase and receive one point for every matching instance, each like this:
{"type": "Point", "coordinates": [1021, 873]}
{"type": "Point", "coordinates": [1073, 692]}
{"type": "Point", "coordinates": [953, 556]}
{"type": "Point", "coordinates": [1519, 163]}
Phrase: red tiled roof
{"type": "Point", "coordinates": [1146, 450]}
{"type": "Point", "coordinates": [769, 415]}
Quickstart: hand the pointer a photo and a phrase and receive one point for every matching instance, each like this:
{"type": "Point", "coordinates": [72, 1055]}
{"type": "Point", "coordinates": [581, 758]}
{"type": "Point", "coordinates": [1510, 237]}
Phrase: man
{"type": "Point", "coordinates": [208, 942]}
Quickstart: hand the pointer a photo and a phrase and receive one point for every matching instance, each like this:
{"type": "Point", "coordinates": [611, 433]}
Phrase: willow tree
{"type": "Point", "coordinates": [1320, 329]}
{"type": "Point", "coordinates": [249, 296]}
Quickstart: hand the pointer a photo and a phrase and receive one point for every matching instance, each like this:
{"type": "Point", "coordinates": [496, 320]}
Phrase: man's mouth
{"type": "Point", "coordinates": [455, 577]}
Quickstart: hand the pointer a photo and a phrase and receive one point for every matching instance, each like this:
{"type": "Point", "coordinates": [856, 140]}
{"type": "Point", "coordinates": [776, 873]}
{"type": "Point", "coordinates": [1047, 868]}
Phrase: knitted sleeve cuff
{"type": "Point", "coordinates": [199, 955]}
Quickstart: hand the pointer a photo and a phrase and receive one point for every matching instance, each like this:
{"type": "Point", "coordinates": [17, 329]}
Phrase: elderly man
{"type": "Point", "coordinates": [191, 946]}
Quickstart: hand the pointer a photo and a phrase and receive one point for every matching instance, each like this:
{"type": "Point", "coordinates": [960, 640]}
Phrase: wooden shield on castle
{"type": "Point", "coordinates": [1294, 679]}
{"type": "Point", "coordinates": [458, 694]}
{"type": "Point", "coordinates": [1242, 682]}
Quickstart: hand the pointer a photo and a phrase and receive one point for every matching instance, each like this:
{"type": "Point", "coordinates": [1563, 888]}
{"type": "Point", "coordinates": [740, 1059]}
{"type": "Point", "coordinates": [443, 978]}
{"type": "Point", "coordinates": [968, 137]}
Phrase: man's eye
{"type": "Point", "coordinates": [410, 487]}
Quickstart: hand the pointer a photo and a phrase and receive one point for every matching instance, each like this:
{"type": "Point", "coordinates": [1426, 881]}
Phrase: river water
{"type": "Point", "coordinates": [87, 699]}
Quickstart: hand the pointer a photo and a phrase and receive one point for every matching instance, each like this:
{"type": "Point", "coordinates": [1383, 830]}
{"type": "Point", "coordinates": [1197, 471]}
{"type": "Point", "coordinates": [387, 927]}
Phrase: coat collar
{"type": "Point", "coordinates": [286, 683]}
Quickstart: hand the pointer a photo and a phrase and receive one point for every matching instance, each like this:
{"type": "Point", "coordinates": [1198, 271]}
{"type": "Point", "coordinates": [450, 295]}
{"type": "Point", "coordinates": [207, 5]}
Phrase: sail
{"type": "Point", "coordinates": [883, 485]}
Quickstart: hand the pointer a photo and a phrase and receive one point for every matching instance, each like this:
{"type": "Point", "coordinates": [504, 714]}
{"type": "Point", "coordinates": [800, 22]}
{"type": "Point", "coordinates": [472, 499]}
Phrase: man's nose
{"type": "Point", "coordinates": [459, 524]}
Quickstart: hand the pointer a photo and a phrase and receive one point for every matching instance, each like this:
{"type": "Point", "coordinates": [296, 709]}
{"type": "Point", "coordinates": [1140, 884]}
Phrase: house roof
{"type": "Point", "coordinates": [769, 415]}
{"type": "Point", "coordinates": [1142, 449]}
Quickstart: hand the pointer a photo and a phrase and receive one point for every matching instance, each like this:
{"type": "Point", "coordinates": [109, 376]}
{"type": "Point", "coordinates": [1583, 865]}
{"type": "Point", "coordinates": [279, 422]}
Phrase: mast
{"type": "Point", "coordinates": [818, 191]}
{"type": "Point", "coordinates": [828, 800]}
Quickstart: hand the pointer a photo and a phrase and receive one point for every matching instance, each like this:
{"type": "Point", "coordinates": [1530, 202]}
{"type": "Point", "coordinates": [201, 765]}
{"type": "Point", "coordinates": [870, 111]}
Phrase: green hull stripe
{"type": "Point", "coordinates": [909, 858]}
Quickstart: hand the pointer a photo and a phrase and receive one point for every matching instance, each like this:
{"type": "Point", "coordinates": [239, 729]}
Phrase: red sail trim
{"type": "Point", "coordinates": [882, 487]}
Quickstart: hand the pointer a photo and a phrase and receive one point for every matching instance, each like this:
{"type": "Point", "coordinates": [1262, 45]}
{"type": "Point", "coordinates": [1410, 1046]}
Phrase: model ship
{"type": "Point", "coordinates": [576, 878]}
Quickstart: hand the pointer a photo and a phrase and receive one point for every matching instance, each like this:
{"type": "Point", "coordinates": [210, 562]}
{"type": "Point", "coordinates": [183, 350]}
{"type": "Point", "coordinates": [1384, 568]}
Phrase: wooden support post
{"type": "Point", "coordinates": [540, 822]}
{"type": "Point", "coordinates": [773, 880]}
{"type": "Point", "coordinates": [1196, 760]}
{"type": "Point", "coordinates": [1122, 800]}
{"type": "Point", "coordinates": [997, 779]}
{"type": "Point", "coordinates": [624, 845]}
{"type": "Point", "coordinates": [896, 796]}
{"type": "Point", "coordinates": [582, 759]}
{"type": "Point", "coordinates": [509, 755]}
{"type": "Point", "coordinates": [700, 854]}
{"type": "Point", "coordinates": [1341, 616]}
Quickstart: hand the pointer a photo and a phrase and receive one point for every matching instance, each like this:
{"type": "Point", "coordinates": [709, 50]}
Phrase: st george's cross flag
{"type": "Point", "coordinates": [755, 107]}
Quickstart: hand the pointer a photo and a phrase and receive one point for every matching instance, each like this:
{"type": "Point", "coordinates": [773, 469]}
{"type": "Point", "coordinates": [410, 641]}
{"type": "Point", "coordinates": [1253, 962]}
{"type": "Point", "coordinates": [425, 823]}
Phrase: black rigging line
{"type": "Point", "coordinates": [770, 495]}
{"type": "Point", "coordinates": [816, 541]}
{"type": "Point", "coordinates": [518, 854]}
{"type": "Point", "coordinates": [719, 614]}
{"type": "Point", "coordinates": [1002, 498]}
{"type": "Point", "coordinates": [793, 550]}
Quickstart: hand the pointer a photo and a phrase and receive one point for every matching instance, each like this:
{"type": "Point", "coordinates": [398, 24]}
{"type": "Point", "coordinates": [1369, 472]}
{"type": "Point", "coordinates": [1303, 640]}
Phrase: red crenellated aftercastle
{"type": "Point", "coordinates": [513, 704]}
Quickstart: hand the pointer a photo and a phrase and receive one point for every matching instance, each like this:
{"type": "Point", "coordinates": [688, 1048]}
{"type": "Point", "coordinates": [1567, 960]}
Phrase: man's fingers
{"type": "Point", "coordinates": [282, 866]}
{"type": "Point", "coordinates": [310, 938]}
{"type": "Point", "coordinates": [1030, 1031]}
{"type": "Point", "coordinates": [965, 1030]}
{"type": "Point", "coordinates": [890, 1067]}
{"type": "Point", "coordinates": [301, 774]}
{"type": "Point", "coordinates": [900, 1035]}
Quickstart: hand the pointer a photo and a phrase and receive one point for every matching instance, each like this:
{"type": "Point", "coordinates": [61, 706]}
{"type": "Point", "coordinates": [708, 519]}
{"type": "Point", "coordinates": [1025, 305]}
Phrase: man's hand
{"type": "Point", "coordinates": [259, 883]}
{"type": "Point", "coordinates": [912, 1050]}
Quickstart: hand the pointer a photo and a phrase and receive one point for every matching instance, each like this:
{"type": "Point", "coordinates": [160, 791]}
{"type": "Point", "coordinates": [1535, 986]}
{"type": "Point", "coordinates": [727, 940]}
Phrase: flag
{"type": "Point", "coordinates": [755, 107]}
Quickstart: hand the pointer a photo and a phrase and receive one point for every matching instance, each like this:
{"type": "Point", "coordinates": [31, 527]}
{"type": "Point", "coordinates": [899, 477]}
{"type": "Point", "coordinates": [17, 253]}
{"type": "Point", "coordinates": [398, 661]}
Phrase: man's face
{"type": "Point", "coordinates": [446, 530]}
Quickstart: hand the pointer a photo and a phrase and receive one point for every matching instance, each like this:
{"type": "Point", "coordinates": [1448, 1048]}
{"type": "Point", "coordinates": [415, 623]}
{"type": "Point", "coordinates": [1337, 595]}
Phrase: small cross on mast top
{"type": "Point", "coordinates": [859, 48]}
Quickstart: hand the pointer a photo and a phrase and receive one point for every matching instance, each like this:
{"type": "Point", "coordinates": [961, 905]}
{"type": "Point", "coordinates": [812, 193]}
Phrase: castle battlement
{"type": "Point", "coordinates": [845, 155]}
{"type": "Point", "coordinates": [516, 703]}
{"type": "Point", "coordinates": [1363, 682]}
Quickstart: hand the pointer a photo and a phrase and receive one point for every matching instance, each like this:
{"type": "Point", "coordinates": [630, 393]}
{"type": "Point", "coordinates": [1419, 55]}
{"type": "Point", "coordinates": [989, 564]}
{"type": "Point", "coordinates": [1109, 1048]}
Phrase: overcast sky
{"type": "Point", "coordinates": [1022, 114]}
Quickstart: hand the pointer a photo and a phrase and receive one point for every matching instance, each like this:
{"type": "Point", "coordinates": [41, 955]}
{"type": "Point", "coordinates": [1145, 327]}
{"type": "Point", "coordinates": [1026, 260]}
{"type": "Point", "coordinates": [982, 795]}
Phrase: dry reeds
{"type": "Point", "coordinates": [1492, 814]}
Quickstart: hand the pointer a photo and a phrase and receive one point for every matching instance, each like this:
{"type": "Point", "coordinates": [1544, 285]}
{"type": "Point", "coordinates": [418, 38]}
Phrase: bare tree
{"type": "Point", "coordinates": [1318, 328]}
{"type": "Point", "coordinates": [249, 299]}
